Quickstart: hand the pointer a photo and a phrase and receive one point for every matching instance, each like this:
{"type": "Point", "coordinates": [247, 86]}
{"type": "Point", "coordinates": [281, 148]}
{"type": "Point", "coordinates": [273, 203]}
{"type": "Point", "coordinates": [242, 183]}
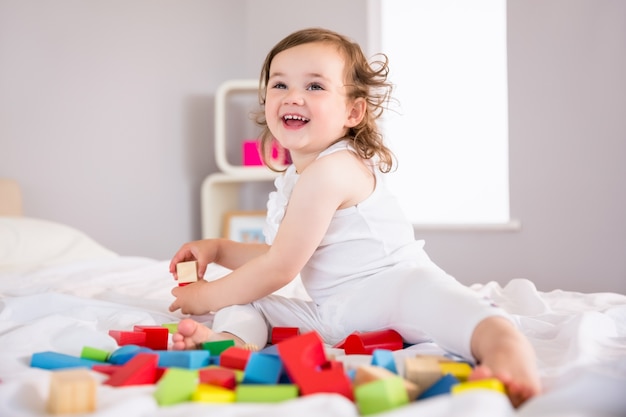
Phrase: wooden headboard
{"type": "Point", "coordinates": [10, 198]}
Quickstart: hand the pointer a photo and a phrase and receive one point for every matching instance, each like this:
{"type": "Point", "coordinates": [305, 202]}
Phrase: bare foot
{"type": "Point", "coordinates": [191, 335]}
{"type": "Point", "coordinates": [517, 392]}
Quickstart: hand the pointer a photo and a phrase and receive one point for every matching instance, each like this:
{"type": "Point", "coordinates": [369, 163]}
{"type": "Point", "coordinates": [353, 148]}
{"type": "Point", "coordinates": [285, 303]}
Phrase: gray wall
{"type": "Point", "coordinates": [106, 121]}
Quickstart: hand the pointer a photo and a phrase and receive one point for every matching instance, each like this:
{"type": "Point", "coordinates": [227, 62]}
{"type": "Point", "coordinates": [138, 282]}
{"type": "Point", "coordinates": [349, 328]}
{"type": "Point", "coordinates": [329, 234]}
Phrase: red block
{"type": "Point", "coordinates": [140, 370]}
{"type": "Point", "coordinates": [306, 364]}
{"type": "Point", "coordinates": [156, 336]}
{"type": "Point", "coordinates": [235, 358]}
{"type": "Point", "coordinates": [106, 369]}
{"type": "Point", "coordinates": [124, 337]}
{"type": "Point", "coordinates": [367, 343]}
{"type": "Point", "coordinates": [217, 376]}
{"type": "Point", "coordinates": [280, 334]}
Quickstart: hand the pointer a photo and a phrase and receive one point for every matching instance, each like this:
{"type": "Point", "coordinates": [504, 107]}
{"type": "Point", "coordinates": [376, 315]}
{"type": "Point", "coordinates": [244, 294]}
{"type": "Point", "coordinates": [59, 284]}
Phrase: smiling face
{"type": "Point", "coordinates": [306, 106]}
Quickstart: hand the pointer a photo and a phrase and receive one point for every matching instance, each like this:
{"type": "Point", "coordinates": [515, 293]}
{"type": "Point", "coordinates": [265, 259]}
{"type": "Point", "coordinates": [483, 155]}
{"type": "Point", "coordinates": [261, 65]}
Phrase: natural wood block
{"type": "Point", "coordinates": [422, 370]}
{"type": "Point", "coordinates": [187, 272]}
{"type": "Point", "coordinates": [72, 391]}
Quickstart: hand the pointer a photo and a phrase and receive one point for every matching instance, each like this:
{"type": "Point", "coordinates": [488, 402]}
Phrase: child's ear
{"type": "Point", "coordinates": [357, 112]}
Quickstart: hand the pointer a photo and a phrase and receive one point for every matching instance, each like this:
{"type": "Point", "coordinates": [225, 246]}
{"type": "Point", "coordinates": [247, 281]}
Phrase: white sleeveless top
{"type": "Point", "coordinates": [360, 242]}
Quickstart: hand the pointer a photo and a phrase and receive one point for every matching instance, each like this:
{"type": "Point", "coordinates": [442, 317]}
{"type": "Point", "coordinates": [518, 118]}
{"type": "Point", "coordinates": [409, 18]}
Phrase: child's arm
{"type": "Point", "coordinates": [335, 181]}
{"type": "Point", "coordinates": [224, 252]}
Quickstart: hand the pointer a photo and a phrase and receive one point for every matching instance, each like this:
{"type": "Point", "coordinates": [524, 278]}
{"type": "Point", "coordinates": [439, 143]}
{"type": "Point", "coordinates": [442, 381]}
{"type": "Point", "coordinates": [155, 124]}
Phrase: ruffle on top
{"type": "Point", "coordinates": [277, 202]}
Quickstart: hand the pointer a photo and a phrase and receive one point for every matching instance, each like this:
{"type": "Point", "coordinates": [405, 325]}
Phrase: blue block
{"type": "Point", "coordinates": [443, 386]}
{"type": "Point", "coordinates": [263, 369]}
{"type": "Point", "coordinates": [384, 358]}
{"type": "Point", "coordinates": [125, 353]}
{"type": "Point", "coordinates": [54, 360]}
{"type": "Point", "coordinates": [188, 359]}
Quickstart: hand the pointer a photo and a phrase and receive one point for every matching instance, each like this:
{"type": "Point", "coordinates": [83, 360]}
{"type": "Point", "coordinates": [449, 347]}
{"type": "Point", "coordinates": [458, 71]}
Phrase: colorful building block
{"type": "Point", "coordinates": [140, 370]}
{"type": "Point", "coordinates": [280, 334]}
{"type": "Point", "coordinates": [366, 343]}
{"type": "Point", "coordinates": [485, 384]}
{"type": "Point", "coordinates": [125, 353]}
{"type": "Point", "coordinates": [176, 386]}
{"type": "Point", "coordinates": [304, 358]}
{"type": "Point", "coordinates": [94, 354]}
{"type": "Point", "coordinates": [385, 359]}
{"type": "Point", "coordinates": [171, 327]}
{"type": "Point", "coordinates": [250, 393]}
{"type": "Point", "coordinates": [442, 386]}
{"type": "Point", "coordinates": [221, 377]}
{"type": "Point", "coordinates": [72, 391]}
{"type": "Point", "coordinates": [156, 336]}
{"type": "Point", "coordinates": [188, 359]}
{"type": "Point", "coordinates": [381, 395]}
{"type": "Point", "coordinates": [125, 337]}
{"type": "Point", "coordinates": [235, 358]}
{"type": "Point", "coordinates": [187, 272]}
{"type": "Point", "coordinates": [213, 394]}
{"type": "Point", "coordinates": [370, 373]}
{"type": "Point", "coordinates": [262, 369]}
{"type": "Point", "coordinates": [54, 360]}
{"type": "Point", "coordinates": [461, 370]}
{"type": "Point", "coordinates": [218, 346]}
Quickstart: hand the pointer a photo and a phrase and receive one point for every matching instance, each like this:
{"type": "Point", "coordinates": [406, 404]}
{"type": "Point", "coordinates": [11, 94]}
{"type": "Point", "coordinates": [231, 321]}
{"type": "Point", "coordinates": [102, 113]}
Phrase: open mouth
{"type": "Point", "coordinates": [295, 120]}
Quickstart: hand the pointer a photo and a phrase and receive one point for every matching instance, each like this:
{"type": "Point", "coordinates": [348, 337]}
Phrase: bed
{"type": "Point", "coordinates": [60, 290]}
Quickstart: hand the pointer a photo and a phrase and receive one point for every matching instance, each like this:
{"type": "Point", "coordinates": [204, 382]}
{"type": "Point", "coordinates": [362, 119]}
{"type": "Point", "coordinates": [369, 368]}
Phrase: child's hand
{"type": "Point", "coordinates": [191, 299]}
{"type": "Point", "coordinates": [202, 251]}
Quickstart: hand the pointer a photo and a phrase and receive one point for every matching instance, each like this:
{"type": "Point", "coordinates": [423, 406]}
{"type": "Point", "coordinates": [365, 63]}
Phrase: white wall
{"type": "Point", "coordinates": [106, 119]}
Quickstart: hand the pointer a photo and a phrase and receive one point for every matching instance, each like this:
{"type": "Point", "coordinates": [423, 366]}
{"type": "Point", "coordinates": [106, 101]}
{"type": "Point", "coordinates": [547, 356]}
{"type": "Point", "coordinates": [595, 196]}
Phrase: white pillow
{"type": "Point", "coordinates": [27, 243]}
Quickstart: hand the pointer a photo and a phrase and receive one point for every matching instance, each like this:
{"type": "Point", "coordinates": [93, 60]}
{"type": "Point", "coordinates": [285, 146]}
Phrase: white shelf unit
{"type": "Point", "coordinates": [221, 191]}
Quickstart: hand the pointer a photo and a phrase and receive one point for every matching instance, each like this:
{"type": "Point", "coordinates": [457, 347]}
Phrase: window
{"type": "Point", "coordinates": [449, 128]}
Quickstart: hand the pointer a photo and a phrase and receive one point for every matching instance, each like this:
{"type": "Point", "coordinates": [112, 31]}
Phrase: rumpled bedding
{"type": "Point", "coordinates": [580, 341]}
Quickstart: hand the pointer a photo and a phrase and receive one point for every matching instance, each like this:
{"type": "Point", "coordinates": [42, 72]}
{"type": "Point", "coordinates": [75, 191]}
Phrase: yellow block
{"type": "Point", "coordinates": [488, 384]}
{"type": "Point", "coordinates": [460, 370]}
{"type": "Point", "coordinates": [207, 393]}
{"type": "Point", "coordinates": [72, 391]}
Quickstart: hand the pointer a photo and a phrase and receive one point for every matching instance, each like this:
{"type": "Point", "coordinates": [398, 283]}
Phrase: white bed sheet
{"type": "Point", "coordinates": [580, 340]}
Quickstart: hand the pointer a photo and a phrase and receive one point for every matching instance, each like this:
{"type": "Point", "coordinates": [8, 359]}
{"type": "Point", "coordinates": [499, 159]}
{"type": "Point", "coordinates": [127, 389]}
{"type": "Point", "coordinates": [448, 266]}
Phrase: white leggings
{"type": "Point", "coordinates": [421, 303]}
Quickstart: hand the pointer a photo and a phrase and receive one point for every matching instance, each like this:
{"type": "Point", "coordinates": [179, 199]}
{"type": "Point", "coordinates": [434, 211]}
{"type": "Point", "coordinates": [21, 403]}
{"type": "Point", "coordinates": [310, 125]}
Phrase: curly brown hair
{"type": "Point", "coordinates": [364, 80]}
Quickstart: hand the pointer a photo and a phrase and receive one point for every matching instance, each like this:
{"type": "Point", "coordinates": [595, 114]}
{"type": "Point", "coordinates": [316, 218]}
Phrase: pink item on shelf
{"type": "Point", "coordinates": [252, 154]}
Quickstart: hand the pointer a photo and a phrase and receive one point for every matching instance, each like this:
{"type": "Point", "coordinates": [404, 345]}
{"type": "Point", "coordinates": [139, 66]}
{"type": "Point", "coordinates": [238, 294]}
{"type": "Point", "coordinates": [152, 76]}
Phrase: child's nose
{"type": "Point", "coordinates": [294, 96]}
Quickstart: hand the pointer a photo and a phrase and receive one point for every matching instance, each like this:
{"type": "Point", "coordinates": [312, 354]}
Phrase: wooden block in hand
{"type": "Point", "coordinates": [187, 272]}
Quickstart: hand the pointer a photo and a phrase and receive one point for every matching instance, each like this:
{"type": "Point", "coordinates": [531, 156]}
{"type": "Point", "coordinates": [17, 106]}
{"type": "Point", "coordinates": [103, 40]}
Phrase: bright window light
{"type": "Point", "coordinates": [449, 128]}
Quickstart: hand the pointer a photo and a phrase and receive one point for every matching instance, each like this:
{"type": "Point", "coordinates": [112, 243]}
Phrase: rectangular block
{"type": "Point", "coordinates": [187, 272]}
{"type": "Point", "coordinates": [94, 354]}
{"type": "Point", "coordinates": [156, 336]}
{"type": "Point", "coordinates": [246, 393]}
{"type": "Point", "coordinates": [125, 337]}
{"type": "Point", "coordinates": [72, 391]}
{"type": "Point", "coordinates": [54, 360]}
{"type": "Point", "coordinates": [189, 359]}
{"type": "Point", "coordinates": [213, 394]}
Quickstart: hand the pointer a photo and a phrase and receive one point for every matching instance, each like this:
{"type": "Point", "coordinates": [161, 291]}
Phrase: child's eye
{"type": "Point", "coordinates": [315, 86]}
{"type": "Point", "coordinates": [281, 86]}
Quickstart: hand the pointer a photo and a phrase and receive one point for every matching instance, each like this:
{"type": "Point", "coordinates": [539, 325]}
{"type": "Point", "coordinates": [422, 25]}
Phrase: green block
{"type": "Point", "coordinates": [381, 395]}
{"type": "Point", "coordinates": [94, 354]}
{"type": "Point", "coordinates": [175, 386]}
{"type": "Point", "coordinates": [255, 393]}
{"type": "Point", "coordinates": [171, 327]}
{"type": "Point", "coordinates": [216, 348]}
